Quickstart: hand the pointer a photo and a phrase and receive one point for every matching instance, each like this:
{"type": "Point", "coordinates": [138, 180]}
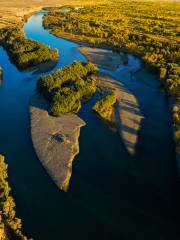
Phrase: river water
{"type": "Point", "coordinates": [111, 195]}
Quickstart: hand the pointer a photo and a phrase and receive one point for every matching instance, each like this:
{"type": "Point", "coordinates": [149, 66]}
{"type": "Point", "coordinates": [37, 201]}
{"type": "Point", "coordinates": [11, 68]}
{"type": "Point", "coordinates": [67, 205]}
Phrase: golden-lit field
{"type": "Point", "coordinates": [13, 11]}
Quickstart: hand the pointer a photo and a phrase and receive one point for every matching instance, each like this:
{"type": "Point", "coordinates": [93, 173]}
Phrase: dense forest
{"type": "Point", "coordinates": [148, 29]}
{"type": "Point", "coordinates": [67, 88]}
{"type": "Point", "coordinates": [10, 225]}
{"type": "Point", "coordinates": [25, 53]}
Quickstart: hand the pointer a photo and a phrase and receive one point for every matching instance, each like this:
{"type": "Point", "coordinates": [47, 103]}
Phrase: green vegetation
{"type": "Point", "coordinates": [25, 53]}
{"type": "Point", "coordinates": [149, 29]}
{"type": "Point", "coordinates": [104, 107]}
{"type": "Point", "coordinates": [10, 225]}
{"type": "Point", "coordinates": [176, 114]}
{"type": "Point", "coordinates": [67, 88]}
{"type": "Point", "coordinates": [177, 137]}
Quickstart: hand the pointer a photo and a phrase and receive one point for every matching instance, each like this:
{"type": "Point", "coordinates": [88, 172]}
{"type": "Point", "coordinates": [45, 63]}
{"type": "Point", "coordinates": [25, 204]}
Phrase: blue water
{"type": "Point", "coordinates": [111, 195]}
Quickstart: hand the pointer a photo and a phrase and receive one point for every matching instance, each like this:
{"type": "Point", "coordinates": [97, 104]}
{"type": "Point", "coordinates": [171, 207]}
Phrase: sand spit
{"type": "Point", "coordinates": [127, 115]}
{"type": "Point", "coordinates": [55, 140]}
{"type": "Point", "coordinates": [104, 58]}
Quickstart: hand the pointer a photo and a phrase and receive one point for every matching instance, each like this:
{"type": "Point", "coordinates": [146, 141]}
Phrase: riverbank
{"type": "Point", "coordinates": [176, 130]}
{"type": "Point", "coordinates": [55, 140]}
{"type": "Point", "coordinates": [1, 75]}
{"type": "Point", "coordinates": [82, 40]}
{"type": "Point", "coordinates": [10, 225]}
{"type": "Point", "coordinates": [127, 116]}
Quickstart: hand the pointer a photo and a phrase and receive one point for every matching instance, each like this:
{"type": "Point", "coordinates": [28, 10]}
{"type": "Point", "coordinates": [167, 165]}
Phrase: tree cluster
{"type": "Point", "coordinates": [25, 53]}
{"type": "Point", "coordinates": [104, 106]}
{"type": "Point", "coordinates": [149, 29]}
{"type": "Point", "coordinates": [67, 88]}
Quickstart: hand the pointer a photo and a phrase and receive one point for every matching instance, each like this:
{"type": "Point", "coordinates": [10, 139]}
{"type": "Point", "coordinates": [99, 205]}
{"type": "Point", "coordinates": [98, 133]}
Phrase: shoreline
{"type": "Point", "coordinates": [84, 43]}
{"type": "Point", "coordinates": [55, 140]}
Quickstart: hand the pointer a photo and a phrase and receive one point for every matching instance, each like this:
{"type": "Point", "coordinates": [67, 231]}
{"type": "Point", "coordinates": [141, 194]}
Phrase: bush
{"type": "Point", "coordinates": [104, 106]}
{"type": "Point", "coordinates": [106, 102]}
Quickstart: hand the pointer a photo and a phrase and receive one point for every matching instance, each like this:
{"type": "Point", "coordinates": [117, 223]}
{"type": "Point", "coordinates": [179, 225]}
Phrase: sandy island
{"type": "Point", "coordinates": [55, 140]}
{"type": "Point", "coordinates": [127, 116]}
{"type": "Point", "coordinates": [104, 58]}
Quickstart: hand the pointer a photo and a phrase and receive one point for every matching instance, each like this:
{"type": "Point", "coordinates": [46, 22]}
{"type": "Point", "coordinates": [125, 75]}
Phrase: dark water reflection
{"type": "Point", "coordinates": [111, 195]}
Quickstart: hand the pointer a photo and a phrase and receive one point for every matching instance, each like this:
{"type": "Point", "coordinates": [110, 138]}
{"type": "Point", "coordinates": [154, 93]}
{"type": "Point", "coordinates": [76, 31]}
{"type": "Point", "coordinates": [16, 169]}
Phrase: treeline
{"type": "Point", "coordinates": [10, 225]}
{"type": "Point", "coordinates": [68, 88]}
{"type": "Point", "coordinates": [149, 29]}
{"type": "Point", "coordinates": [25, 53]}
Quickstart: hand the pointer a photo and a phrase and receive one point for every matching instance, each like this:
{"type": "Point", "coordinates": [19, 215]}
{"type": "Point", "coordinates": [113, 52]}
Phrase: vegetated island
{"type": "Point", "coordinates": [105, 107]}
{"type": "Point", "coordinates": [10, 225]}
{"type": "Point", "coordinates": [155, 38]}
{"type": "Point", "coordinates": [120, 109]}
{"type": "Point", "coordinates": [25, 53]}
{"type": "Point", "coordinates": [55, 127]}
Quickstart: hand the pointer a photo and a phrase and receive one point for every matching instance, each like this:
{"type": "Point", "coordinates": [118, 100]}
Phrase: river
{"type": "Point", "coordinates": [111, 195]}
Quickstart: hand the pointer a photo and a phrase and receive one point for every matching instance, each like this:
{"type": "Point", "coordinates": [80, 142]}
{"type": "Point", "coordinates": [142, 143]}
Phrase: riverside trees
{"type": "Point", "coordinates": [67, 88]}
{"type": "Point", "coordinates": [10, 225]}
{"type": "Point", "coordinates": [25, 53]}
{"type": "Point", "coordinates": [150, 29]}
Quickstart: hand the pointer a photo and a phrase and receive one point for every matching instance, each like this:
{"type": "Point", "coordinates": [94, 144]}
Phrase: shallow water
{"type": "Point", "coordinates": [111, 195]}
